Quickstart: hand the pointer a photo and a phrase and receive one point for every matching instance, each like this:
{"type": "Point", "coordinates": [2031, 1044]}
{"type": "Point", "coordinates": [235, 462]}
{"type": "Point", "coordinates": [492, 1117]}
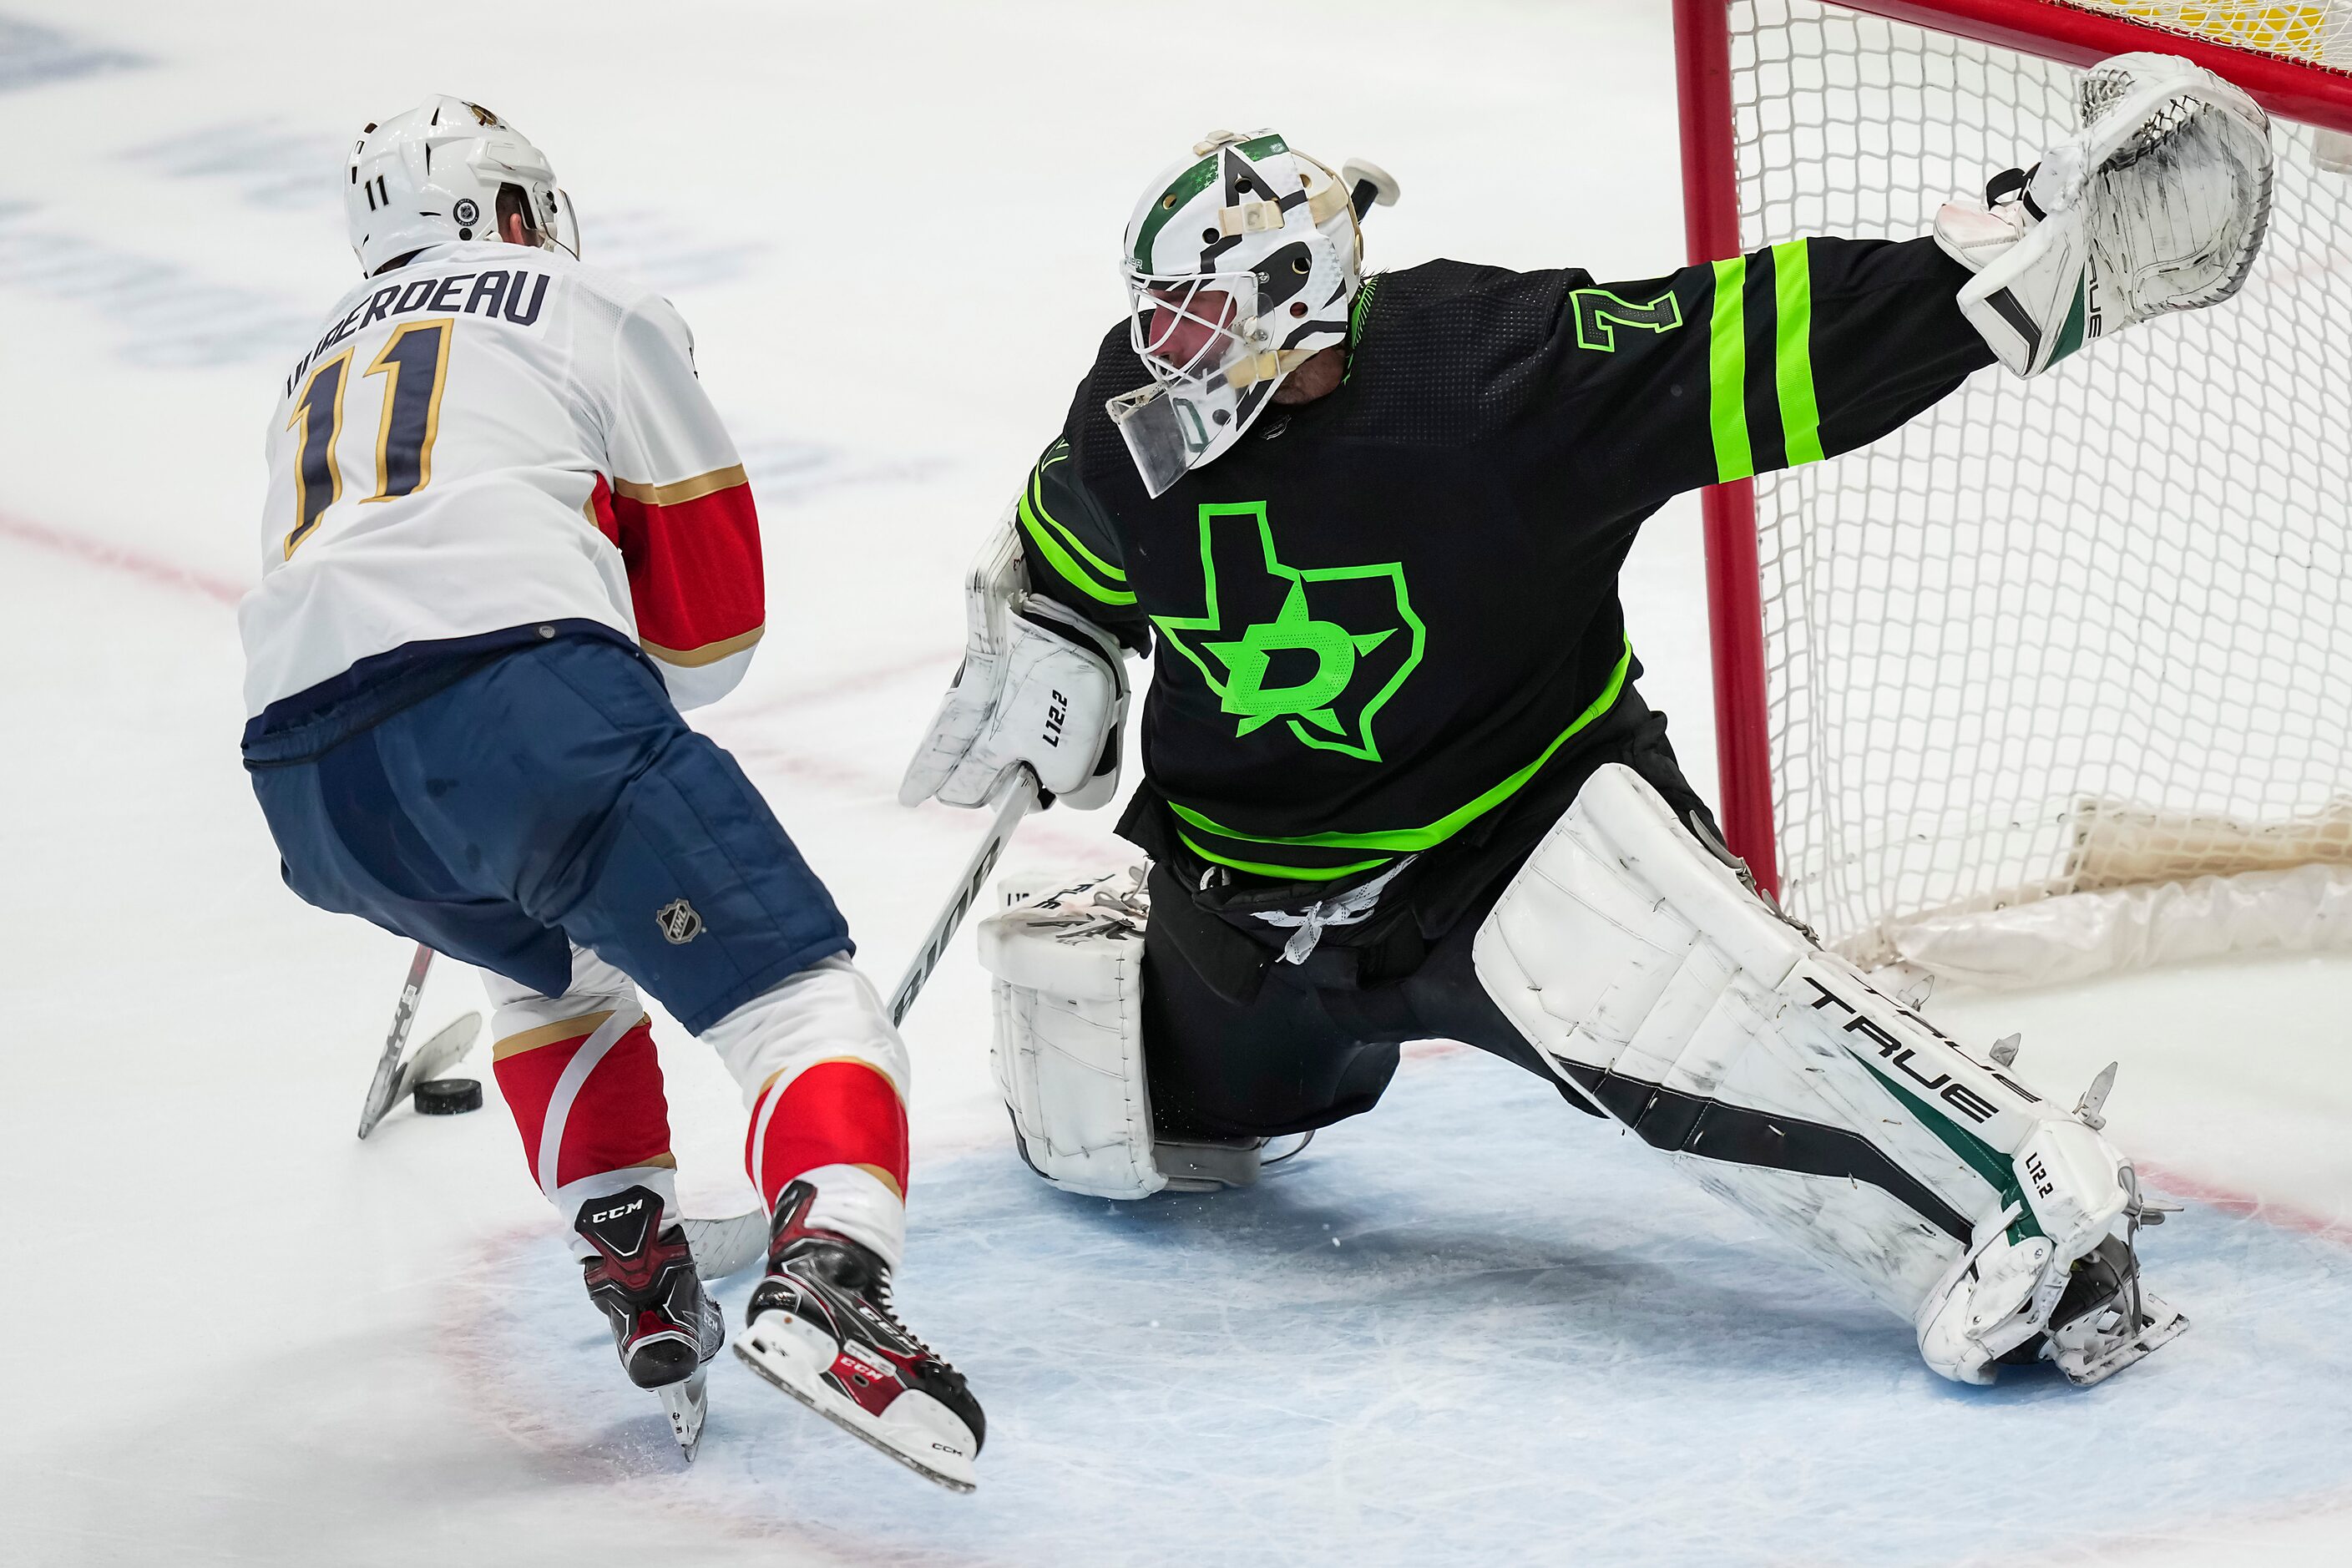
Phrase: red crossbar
{"type": "Point", "coordinates": [2059, 30]}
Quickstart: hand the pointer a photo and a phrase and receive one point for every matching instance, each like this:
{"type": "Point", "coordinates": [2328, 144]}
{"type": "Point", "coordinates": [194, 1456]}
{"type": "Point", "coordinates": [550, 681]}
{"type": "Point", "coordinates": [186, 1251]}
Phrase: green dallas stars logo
{"type": "Point", "coordinates": [1324, 647]}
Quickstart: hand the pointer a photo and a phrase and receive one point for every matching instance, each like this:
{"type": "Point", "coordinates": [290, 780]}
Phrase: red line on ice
{"type": "Point", "coordinates": [2245, 1205]}
{"type": "Point", "coordinates": [138, 563]}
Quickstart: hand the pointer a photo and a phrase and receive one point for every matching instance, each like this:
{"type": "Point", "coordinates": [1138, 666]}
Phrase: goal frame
{"type": "Point", "coordinates": [2306, 91]}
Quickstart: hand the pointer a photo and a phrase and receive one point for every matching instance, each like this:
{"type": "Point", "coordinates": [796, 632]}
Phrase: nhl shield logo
{"type": "Point", "coordinates": [678, 922]}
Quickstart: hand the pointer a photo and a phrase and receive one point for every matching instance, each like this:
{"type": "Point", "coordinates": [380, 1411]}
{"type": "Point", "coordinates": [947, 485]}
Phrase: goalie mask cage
{"type": "Point", "coordinates": [2053, 680]}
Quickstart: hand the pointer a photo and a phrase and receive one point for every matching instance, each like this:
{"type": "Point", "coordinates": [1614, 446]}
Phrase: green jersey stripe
{"type": "Point", "coordinates": [1285, 873]}
{"type": "Point", "coordinates": [1102, 568]}
{"type": "Point", "coordinates": [1063, 564]}
{"type": "Point", "coordinates": [1726, 366]}
{"type": "Point", "coordinates": [1792, 352]}
{"type": "Point", "coordinates": [1411, 840]}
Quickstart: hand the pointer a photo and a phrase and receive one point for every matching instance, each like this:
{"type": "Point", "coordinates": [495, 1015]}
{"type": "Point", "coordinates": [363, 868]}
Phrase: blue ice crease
{"type": "Point", "coordinates": [1475, 1326]}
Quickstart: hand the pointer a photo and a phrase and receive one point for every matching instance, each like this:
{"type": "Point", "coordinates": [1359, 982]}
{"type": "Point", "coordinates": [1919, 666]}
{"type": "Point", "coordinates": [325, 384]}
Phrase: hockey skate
{"type": "Point", "coordinates": [664, 1324]}
{"type": "Point", "coordinates": [2011, 1302]}
{"type": "Point", "coordinates": [822, 1329]}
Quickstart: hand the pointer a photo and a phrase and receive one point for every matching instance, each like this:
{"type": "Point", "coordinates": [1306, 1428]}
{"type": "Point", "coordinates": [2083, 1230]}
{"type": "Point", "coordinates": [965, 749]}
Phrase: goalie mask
{"type": "Point", "coordinates": [432, 175]}
{"type": "Point", "coordinates": [1241, 264]}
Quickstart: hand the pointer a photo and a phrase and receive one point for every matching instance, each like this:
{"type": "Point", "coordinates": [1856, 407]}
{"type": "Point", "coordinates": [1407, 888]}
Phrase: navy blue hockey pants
{"type": "Point", "coordinates": [550, 797]}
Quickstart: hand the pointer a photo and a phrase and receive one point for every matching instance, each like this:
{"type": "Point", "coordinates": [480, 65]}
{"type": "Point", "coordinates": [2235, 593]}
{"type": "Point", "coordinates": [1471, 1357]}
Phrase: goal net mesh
{"type": "Point", "coordinates": [2064, 633]}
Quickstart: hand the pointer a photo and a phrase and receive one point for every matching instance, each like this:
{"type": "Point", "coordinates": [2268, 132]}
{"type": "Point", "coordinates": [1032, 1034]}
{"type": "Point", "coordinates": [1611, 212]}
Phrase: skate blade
{"type": "Point", "coordinates": [2084, 1370]}
{"type": "Point", "coordinates": [685, 1403]}
{"type": "Point", "coordinates": [726, 1246]}
{"type": "Point", "coordinates": [835, 1409]}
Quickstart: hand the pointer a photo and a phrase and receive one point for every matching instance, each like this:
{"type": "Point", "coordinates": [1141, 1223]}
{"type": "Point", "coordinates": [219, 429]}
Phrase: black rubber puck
{"type": "Point", "coordinates": [448, 1096]}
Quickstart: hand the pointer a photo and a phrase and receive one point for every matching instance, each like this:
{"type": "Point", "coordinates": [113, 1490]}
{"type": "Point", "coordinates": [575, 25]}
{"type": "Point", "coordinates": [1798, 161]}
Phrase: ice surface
{"type": "Point", "coordinates": [237, 1334]}
{"type": "Point", "coordinates": [1475, 1318]}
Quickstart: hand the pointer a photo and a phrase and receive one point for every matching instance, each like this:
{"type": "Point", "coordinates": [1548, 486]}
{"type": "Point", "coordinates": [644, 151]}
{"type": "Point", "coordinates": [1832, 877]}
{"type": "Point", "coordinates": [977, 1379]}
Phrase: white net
{"type": "Point", "coordinates": [2110, 606]}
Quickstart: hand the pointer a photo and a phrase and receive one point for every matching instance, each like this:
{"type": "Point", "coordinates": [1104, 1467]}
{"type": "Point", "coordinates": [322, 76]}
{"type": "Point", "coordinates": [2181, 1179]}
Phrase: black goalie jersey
{"type": "Point", "coordinates": [1383, 615]}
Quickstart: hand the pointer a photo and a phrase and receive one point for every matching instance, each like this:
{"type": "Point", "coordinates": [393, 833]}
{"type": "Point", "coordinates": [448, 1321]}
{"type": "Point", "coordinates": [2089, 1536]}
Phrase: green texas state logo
{"type": "Point", "coordinates": [1322, 648]}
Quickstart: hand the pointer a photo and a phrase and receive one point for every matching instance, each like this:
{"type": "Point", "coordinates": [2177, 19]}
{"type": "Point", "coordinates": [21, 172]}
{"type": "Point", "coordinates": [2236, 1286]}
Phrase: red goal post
{"type": "Point", "coordinates": [2300, 90]}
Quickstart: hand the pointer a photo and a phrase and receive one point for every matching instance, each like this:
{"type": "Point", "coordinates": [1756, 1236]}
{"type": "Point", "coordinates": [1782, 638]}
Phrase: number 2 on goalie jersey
{"type": "Point", "coordinates": [415, 362]}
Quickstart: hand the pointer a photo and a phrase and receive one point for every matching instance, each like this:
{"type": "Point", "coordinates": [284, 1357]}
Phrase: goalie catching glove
{"type": "Point", "coordinates": [2158, 204]}
{"type": "Point", "coordinates": [1040, 686]}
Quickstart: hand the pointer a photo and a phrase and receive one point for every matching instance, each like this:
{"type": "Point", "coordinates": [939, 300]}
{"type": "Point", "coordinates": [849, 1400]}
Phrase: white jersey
{"type": "Point", "coordinates": [489, 437]}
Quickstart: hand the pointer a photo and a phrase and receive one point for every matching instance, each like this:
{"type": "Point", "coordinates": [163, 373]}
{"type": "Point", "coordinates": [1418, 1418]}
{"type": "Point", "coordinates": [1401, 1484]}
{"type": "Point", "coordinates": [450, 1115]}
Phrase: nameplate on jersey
{"type": "Point", "coordinates": [514, 295]}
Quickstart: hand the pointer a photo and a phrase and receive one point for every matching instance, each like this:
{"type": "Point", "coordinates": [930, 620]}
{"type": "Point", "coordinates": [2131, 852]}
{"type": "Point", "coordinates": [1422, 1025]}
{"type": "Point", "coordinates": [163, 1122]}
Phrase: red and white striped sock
{"type": "Point", "coordinates": [586, 1094]}
{"type": "Point", "coordinates": [823, 1073]}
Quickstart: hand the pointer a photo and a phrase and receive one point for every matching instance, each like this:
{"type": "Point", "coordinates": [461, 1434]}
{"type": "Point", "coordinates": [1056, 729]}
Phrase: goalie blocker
{"type": "Point", "coordinates": [1659, 987]}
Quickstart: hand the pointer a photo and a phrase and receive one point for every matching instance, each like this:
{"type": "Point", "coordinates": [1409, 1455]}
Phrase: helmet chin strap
{"type": "Point", "coordinates": [1268, 366]}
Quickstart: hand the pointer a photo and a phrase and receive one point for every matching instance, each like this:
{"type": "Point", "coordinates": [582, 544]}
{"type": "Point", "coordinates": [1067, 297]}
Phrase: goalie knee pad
{"type": "Point", "coordinates": [1067, 1050]}
{"type": "Point", "coordinates": [2159, 204]}
{"type": "Point", "coordinates": [1660, 985]}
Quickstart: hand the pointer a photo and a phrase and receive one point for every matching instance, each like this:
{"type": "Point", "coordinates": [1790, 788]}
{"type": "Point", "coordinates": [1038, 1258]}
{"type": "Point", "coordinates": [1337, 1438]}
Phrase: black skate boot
{"type": "Point", "coordinates": [822, 1329]}
{"type": "Point", "coordinates": [666, 1328]}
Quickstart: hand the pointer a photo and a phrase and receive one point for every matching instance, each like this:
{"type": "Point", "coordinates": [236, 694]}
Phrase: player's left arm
{"type": "Point", "coordinates": [1818, 346]}
{"type": "Point", "coordinates": [1729, 369]}
{"type": "Point", "coordinates": [680, 507]}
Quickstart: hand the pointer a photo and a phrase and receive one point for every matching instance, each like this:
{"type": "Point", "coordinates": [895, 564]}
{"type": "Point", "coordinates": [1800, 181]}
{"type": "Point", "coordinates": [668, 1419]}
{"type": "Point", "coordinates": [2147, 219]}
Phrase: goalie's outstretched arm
{"type": "Point", "coordinates": [1729, 368]}
{"type": "Point", "coordinates": [1815, 347]}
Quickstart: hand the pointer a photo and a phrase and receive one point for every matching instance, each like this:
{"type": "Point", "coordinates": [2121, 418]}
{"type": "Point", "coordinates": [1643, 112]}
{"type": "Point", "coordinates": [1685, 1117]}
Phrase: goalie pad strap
{"type": "Point", "coordinates": [1676, 1122]}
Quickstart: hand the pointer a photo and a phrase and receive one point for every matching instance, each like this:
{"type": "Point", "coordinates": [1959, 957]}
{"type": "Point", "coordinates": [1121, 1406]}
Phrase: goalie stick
{"type": "Point", "coordinates": [1021, 797]}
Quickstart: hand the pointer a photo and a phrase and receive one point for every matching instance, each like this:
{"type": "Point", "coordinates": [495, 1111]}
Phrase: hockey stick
{"type": "Point", "coordinates": [725, 1247]}
{"type": "Point", "coordinates": [395, 1080]}
{"type": "Point", "coordinates": [387, 1067]}
{"type": "Point", "coordinates": [1021, 798]}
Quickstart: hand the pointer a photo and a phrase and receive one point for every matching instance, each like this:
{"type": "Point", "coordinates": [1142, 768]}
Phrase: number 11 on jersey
{"type": "Point", "coordinates": [416, 363]}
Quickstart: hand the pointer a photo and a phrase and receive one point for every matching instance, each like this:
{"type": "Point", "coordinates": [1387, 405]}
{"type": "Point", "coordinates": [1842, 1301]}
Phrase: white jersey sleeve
{"type": "Point", "coordinates": [686, 523]}
{"type": "Point", "coordinates": [493, 437]}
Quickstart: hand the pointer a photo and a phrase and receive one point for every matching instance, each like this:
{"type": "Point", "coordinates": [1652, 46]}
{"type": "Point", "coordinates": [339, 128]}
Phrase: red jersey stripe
{"type": "Point", "coordinates": [693, 557]}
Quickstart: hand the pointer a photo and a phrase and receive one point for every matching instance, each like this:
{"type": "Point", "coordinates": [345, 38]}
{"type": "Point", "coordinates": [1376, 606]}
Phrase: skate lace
{"type": "Point", "coordinates": [878, 1298]}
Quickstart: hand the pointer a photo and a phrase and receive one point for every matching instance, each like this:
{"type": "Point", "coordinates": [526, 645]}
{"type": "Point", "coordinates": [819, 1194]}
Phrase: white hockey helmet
{"type": "Point", "coordinates": [1242, 263]}
{"type": "Point", "coordinates": [431, 175]}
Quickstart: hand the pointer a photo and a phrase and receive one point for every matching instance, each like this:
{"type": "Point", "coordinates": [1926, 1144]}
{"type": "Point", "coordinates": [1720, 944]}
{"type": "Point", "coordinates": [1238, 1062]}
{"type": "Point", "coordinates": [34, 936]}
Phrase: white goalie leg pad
{"type": "Point", "coordinates": [1068, 1046]}
{"type": "Point", "coordinates": [1657, 984]}
{"type": "Point", "coordinates": [2159, 204]}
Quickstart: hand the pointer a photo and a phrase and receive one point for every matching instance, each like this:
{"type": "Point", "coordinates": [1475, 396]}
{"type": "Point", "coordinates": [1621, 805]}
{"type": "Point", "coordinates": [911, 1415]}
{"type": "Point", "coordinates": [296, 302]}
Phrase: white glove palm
{"type": "Point", "coordinates": [2159, 204]}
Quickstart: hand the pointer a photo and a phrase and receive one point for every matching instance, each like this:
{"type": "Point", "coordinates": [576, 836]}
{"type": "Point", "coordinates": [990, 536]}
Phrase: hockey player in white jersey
{"type": "Point", "coordinates": [507, 539]}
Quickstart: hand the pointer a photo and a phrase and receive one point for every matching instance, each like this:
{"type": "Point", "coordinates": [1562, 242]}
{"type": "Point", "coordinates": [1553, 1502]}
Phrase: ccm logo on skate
{"type": "Point", "coordinates": [628, 1208]}
{"type": "Point", "coordinates": [678, 922]}
{"type": "Point", "coordinates": [1943, 1085]}
{"type": "Point", "coordinates": [1056, 712]}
